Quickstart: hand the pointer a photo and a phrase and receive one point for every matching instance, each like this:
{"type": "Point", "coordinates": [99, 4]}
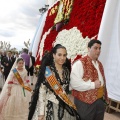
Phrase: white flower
{"type": "Point", "coordinates": [42, 43]}
{"type": "Point", "coordinates": [73, 41]}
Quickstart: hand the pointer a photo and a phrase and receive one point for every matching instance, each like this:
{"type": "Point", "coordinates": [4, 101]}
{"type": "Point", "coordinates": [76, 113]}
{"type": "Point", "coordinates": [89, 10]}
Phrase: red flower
{"type": "Point", "coordinates": [86, 16]}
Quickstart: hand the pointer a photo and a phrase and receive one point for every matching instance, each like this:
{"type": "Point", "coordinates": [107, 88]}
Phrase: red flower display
{"type": "Point", "coordinates": [86, 16]}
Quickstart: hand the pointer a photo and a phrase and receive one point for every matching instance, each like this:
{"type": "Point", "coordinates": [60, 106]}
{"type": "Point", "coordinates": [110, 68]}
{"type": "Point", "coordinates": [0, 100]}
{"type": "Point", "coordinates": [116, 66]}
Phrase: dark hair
{"type": "Point", "coordinates": [25, 50]}
{"type": "Point", "coordinates": [9, 51]}
{"type": "Point", "coordinates": [93, 41]}
{"type": "Point", "coordinates": [47, 60]}
{"type": "Point", "coordinates": [19, 59]}
{"type": "Point", "coordinates": [48, 56]}
{"type": "Point", "coordinates": [1, 67]}
{"type": "Point", "coordinates": [54, 50]}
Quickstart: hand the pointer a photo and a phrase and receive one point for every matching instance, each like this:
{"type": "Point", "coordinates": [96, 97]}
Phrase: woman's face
{"type": "Point", "coordinates": [20, 64]}
{"type": "Point", "coordinates": [60, 56]}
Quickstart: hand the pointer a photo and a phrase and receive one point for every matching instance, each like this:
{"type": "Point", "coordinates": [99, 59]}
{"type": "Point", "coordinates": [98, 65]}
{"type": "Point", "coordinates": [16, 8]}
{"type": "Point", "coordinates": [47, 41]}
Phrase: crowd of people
{"type": "Point", "coordinates": [49, 100]}
{"type": "Point", "coordinates": [7, 60]}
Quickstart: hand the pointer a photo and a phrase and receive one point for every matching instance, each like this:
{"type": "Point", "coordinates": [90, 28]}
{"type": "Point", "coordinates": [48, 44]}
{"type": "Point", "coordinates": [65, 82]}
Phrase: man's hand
{"type": "Point", "coordinates": [97, 84]}
{"type": "Point", "coordinates": [7, 64]}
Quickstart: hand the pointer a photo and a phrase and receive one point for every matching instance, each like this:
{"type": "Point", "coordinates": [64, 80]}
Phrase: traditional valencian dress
{"type": "Point", "coordinates": [49, 104]}
{"type": "Point", "coordinates": [15, 106]}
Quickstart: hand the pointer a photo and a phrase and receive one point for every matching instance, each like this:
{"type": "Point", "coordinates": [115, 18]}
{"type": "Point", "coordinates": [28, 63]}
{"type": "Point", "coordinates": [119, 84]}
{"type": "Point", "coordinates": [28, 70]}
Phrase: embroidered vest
{"type": "Point", "coordinates": [90, 72]}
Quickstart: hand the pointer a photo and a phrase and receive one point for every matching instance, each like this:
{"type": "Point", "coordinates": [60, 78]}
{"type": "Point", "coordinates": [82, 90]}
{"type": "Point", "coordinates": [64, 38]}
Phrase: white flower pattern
{"type": "Point", "coordinates": [73, 41]}
{"type": "Point", "coordinates": [42, 43]}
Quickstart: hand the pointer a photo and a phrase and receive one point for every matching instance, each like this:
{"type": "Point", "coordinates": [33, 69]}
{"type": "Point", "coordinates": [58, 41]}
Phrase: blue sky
{"type": "Point", "coordinates": [18, 20]}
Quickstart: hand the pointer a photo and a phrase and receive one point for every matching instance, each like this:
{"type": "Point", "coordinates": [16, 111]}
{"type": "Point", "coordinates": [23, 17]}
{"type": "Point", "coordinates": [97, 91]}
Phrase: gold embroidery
{"type": "Point", "coordinates": [64, 10]}
{"type": "Point", "coordinates": [90, 73]}
{"type": "Point", "coordinates": [53, 10]}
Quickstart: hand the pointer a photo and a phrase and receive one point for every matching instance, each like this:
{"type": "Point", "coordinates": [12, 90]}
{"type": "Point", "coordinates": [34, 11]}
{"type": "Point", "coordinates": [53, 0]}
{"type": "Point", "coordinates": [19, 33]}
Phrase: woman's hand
{"type": "Point", "coordinates": [41, 117]}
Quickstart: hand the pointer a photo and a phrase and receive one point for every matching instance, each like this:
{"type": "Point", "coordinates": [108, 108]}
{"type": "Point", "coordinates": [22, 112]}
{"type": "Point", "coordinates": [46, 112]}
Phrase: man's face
{"type": "Point", "coordinates": [30, 53]}
{"type": "Point", "coordinates": [9, 54]}
{"type": "Point", "coordinates": [94, 51]}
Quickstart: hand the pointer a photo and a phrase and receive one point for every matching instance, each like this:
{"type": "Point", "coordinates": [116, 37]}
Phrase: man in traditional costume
{"type": "Point", "coordinates": [88, 83]}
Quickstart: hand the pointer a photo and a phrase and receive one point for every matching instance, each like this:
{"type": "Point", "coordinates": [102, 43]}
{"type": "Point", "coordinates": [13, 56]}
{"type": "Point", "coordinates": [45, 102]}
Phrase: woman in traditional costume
{"type": "Point", "coordinates": [50, 99]}
{"type": "Point", "coordinates": [16, 94]}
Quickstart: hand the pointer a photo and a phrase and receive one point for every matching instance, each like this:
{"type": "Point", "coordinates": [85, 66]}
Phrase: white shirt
{"type": "Point", "coordinates": [77, 82]}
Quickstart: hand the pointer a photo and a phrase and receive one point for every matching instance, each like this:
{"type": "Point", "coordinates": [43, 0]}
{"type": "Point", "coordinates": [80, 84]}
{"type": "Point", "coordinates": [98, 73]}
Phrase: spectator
{"type": "Point", "coordinates": [26, 58]}
{"type": "Point", "coordinates": [7, 62]}
{"type": "Point", "coordinates": [31, 69]}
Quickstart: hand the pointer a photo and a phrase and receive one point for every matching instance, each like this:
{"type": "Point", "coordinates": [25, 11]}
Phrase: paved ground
{"type": "Point", "coordinates": [112, 116]}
